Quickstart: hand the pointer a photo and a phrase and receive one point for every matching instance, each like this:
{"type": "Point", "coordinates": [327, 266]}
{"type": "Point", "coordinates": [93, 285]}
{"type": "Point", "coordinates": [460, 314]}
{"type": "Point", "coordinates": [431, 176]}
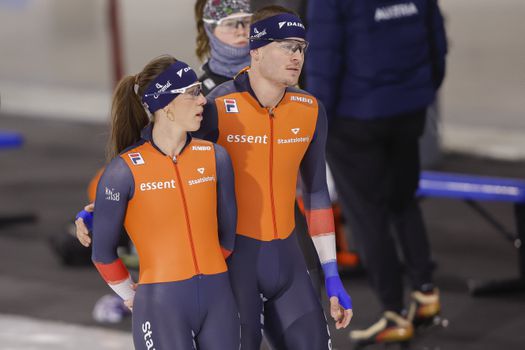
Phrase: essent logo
{"type": "Point", "coordinates": [291, 24]}
{"type": "Point", "coordinates": [261, 139]}
{"type": "Point", "coordinates": [200, 170]}
{"type": "Point", "coordinates": [295, 130]}
{"type": "Point", "coordinates": [157, 185]}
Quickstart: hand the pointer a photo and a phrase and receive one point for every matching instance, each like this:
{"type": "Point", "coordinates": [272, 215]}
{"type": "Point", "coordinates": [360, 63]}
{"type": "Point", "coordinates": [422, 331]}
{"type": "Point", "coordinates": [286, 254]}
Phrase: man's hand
{"type": "Point", "coordinates": [340, 315]}
{"type": "Point", "coordinates": [340, 302]}
{"type": "Point", "coordinates": [82, 230]}
{"type": "Point", "coordinates": [129, 302]}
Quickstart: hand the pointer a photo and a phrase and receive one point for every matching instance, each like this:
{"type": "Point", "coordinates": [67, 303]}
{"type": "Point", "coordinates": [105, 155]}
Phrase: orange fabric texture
{"type": "Point", "coordinates": [266, 150]}
{"type": "Point", "coordinates": [164, 219]}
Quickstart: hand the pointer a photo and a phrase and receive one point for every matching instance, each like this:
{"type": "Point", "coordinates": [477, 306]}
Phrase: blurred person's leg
{"type": "Point", "coordinates": [357, 155]}
{"type": "Point", "coordinates": [404, 165]}
{"type": "Point", "coordinates": [407, 217]}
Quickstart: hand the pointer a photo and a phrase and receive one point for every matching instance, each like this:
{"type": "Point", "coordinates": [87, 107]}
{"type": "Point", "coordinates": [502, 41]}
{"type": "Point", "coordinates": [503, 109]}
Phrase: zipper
{"type": "Point", "coordinates": [194, 256]}
{"type": "Point", "coordinates": [272, 116]}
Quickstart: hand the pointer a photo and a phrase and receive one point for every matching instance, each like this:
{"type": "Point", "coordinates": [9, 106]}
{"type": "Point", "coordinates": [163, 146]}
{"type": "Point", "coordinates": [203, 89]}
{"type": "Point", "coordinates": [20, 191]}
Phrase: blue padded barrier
{"type": "Point", "coordinates": [10, 139]}
{"type": "Point", "coordinates": [471, 189]}
{"type": "Point", "coordinates": [450, 185]}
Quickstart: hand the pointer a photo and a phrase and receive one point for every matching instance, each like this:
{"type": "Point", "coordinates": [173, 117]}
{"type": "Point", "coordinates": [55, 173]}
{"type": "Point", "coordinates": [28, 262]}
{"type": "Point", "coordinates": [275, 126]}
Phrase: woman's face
{"type": "Point", "coordinates": [187, 109]}
{"type": "Point", "coordinates": [234, 29]}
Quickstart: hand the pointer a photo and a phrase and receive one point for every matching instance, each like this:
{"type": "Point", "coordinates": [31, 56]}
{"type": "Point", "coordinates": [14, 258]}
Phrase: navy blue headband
{"type": "Point", "coordinates": [176, 76]}
{"type": "Point", "coordinates": [281, 26]}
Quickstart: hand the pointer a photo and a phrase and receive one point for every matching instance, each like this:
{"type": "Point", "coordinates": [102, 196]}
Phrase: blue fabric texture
{"type": "Point", "coordinates": [371, 59]}
{"type": "Point", "coordinates": [87, 217]}
{"type": "Point", "coordinates": [335, 288]}
{"type": "Point", "coordinates": [176, 76]}
{"type": "Point", "coordinates": [282, 26]}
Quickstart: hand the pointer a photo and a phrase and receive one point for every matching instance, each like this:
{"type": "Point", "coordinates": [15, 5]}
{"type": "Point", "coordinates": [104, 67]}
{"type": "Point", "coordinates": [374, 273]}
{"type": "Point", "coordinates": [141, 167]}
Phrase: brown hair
{"type": "Point", "coordinates": [269, 11]}
{"type": "Point", "coordinates": [203, 42]}
{"type": "Point", "coordinates": [128, 116]}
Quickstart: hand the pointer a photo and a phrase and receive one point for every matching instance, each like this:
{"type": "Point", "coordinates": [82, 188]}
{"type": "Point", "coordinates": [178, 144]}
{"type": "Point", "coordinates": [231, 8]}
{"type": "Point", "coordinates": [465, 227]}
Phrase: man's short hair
{"type": "Point", "coordinates": [269, 11]}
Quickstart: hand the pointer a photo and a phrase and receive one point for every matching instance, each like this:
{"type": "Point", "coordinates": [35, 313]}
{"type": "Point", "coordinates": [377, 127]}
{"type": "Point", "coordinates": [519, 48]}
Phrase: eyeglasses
{"type": "Point", "coordinates": [193, 90]}
{"type": "Point", "coordinates": [289, 46]}
{"type": "Point", "coordinates": [231, 23]}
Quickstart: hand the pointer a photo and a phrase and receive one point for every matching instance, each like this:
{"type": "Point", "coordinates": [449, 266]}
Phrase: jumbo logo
{"type": "Point", "coordinates": [201, 148]}
{"type": "Point", "coordinates": [301, 99]}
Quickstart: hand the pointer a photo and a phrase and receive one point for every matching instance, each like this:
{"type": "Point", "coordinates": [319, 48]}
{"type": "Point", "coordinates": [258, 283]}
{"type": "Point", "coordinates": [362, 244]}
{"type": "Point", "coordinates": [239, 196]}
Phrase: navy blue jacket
{"type": "Point", "coordinates": [372, 59]}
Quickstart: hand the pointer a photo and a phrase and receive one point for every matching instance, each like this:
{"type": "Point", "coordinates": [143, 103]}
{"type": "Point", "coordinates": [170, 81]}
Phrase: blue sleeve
{"type": "Point", "coordinates": [209, 129]}
{"type": "Point", "coordinates": [114, 190]}
{"type": "Point", "coordinates": [438, 43]}
{"type": "Point", "coordinates": [226, 202]}
{"type": "Point", "coordinates": [325, 55]}
{"type": "Point", "coordinates": [313, 167]}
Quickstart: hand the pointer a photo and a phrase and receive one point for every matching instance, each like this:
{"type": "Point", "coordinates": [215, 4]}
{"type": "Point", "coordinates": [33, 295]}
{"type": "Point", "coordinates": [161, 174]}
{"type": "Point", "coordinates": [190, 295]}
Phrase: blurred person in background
{"type": "Point", "coordinates": [377, 66]}
{"type": "Point", "coordinates": [175, 196]}
{"type": "Point", "coordinates": [223, 27]}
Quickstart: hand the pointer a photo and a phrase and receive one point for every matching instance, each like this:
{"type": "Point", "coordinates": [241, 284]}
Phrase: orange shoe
{"type": "Point", "coordinates": [390, 328]}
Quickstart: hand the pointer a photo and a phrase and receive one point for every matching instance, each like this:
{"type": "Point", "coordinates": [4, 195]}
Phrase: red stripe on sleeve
{"type": "Point", "coordinates": [114, 272]}
{"type": "Point", "coordinates": [320, 221]}
{"type": "Point", "coordinates": [225, 252]}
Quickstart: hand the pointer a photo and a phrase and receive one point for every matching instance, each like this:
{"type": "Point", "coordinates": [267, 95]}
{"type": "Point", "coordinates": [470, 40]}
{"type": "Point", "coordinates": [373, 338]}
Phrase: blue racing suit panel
{"type": "Point", "coordinates": [226, 203]}
{"type": "Point", "coordinates": [114, 190]}
{"type": "Point", "coordinates": [313, 167]}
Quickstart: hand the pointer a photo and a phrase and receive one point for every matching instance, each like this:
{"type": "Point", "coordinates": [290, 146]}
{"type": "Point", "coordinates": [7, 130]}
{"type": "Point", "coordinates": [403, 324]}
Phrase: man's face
{"type": "Point", "coordinates": [281, 61]}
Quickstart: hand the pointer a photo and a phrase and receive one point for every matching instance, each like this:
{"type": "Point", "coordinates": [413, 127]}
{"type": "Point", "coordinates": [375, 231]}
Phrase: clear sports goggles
{"type": "Point", "coordinates": [232, 21]}
{"type": "Point", "coordinates": [194, 90]}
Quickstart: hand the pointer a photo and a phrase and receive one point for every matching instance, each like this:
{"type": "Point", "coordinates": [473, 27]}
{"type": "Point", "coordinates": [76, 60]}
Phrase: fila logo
{"type": "Point", "coordinates": [231, 105]}
{"type": "Point", "coordinates": [295, 130]}
{"type": "Point", "coordinates": [291, 24]}
{"type": "Point", "coordinates": [301, 99]}
{"type": "Point", "coordinates": [201, 148]}
{"type": "Point", "coordinates": [200, 170]}
{"type": "Point", "coordinates": [136, 158]}
{"type": "Point", "coordinates": [183, 70]}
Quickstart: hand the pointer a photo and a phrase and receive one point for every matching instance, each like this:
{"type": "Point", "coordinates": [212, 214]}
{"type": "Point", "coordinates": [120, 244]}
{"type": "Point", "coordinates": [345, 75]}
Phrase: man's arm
{"type": "Point", "coordinates": [114, 190]}
{"type": "Point", "coordinates": [226, 203]}
{"type": "Point", "coordinates": [320, 219]}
